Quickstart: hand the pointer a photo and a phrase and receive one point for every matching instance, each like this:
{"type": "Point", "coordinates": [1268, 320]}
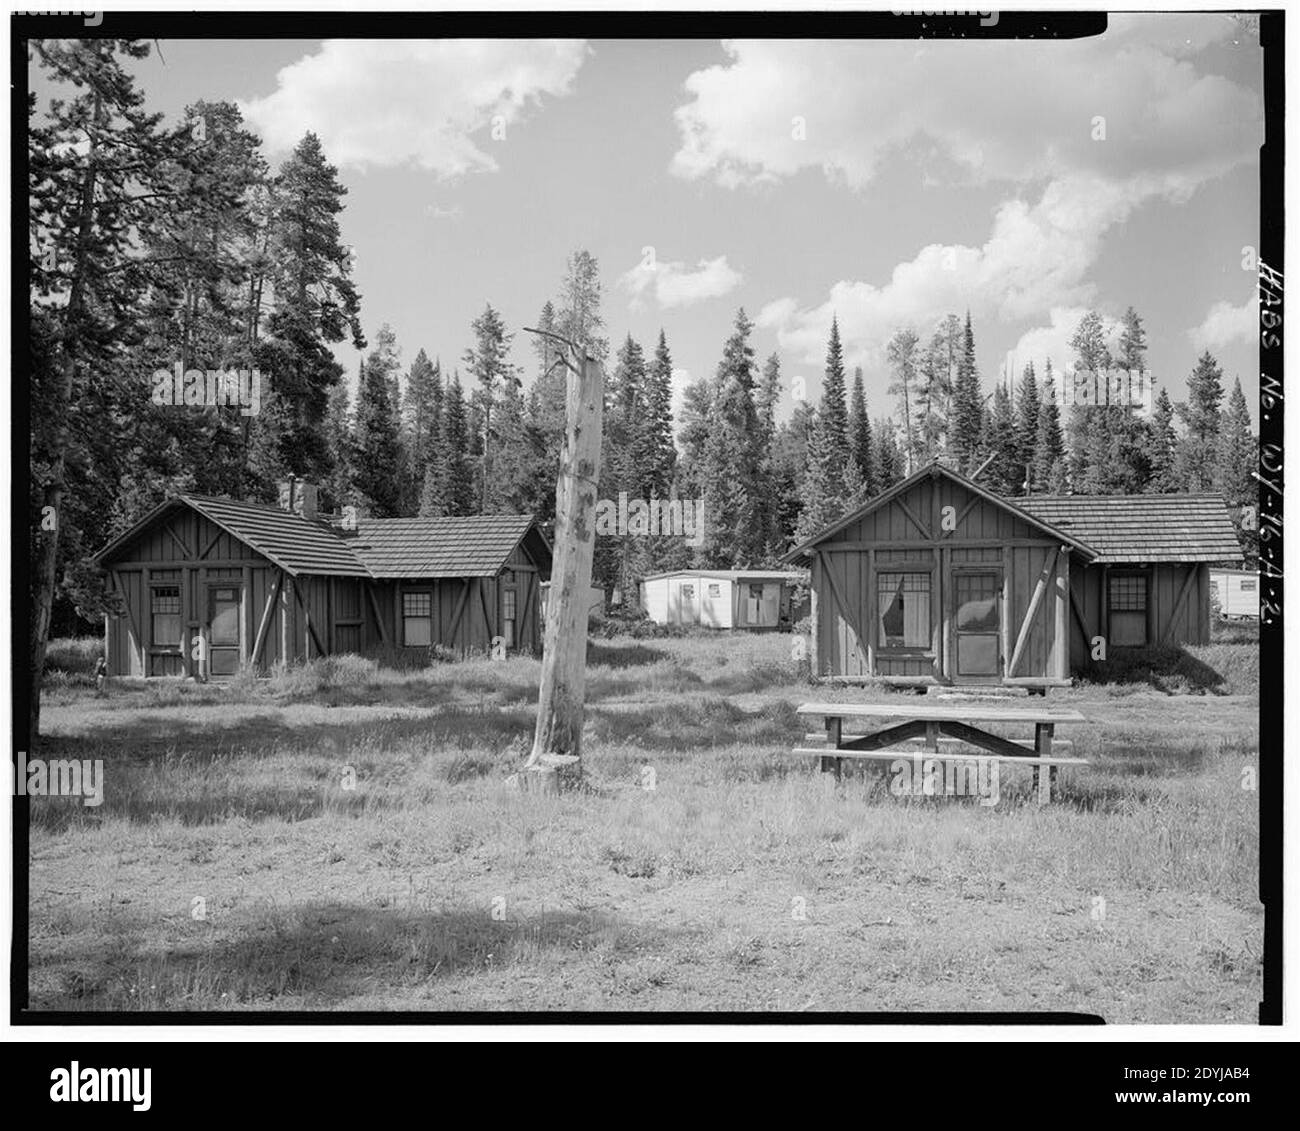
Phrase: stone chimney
{"type": "Point", "coordinates": [299, 496]}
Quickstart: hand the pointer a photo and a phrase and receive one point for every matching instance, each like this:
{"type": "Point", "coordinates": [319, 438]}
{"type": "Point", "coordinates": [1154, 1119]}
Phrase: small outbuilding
{"type": "Point", "coordinates": [940, 581]}
{"type": "Point", "coordinates": [212, 585]}
{"type": "Point", "coordinates": [723, 598]}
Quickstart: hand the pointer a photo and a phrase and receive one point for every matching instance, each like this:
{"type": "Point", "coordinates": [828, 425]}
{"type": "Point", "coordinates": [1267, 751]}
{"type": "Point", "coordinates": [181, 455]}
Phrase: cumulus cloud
{"type": "Point", "coordinates": [1001, 109]}
{"type": "Point", "coordinates": [437, 104]}
{"type": "Point", "coordinates": [1036, 258]}
{"type": "Point", "coordinates": [1225, 324]}
{"type": "Point", "coordinates": [1052, 341]}
{"type": "Point", "coordinates": [1086, 132]}
{"type": "Point", "coordinates": [676, 284]}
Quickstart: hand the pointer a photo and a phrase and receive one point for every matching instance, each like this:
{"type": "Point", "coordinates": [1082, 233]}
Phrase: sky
{"type": "Point", "coordinates": [886, 183]}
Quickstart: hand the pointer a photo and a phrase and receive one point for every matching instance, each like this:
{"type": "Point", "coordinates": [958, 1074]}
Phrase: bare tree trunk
{"type": "Point", "coordinates": [558, 739]}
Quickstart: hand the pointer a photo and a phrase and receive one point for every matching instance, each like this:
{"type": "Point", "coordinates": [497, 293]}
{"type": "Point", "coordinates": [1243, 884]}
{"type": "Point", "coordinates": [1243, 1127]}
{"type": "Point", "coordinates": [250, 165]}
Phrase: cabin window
{"type": "Point", "coordinates": [508, 616]}
{"type": "Point", "coordinates": [903, 602]}
{"type": "Point", "coordinates": [165, 616]}
{"type": "Point", "coordinates": [1248, 585]}
{"type": "Point", "coordinates": [1127, 601]}
{"type": "Point", "coordinates": [715, 590]}
{"type": "Point", "coordinates": [417, 619]}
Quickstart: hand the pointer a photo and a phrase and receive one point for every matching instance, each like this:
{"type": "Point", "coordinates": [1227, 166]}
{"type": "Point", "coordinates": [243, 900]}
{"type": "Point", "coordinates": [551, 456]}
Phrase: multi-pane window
{"type": "Point", "coordinates": [1127, 601]}
{"type": "Point", "coordinates": [903, 604]}
{"type": "Point", "coordinates": [165, 616]}
{"type": "Point", "coordinates": [508, 616]}
{"type": "Point", "coordinates": [417, 619]}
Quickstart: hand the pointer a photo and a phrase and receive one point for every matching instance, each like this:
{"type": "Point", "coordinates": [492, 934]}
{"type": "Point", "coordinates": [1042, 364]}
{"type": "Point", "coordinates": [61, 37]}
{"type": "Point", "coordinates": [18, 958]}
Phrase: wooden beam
{"type": "Point", "coordinates": [902, 506]}
{"type": "Point", "coordinates": [871, 611]}
{"type": "Point", "coordinates": [374, 608]}
{"type": "Point", "coordinates": [965, 511]}
{"type": "Point", "coordinates": [267, 614]}
{"type": "Point", "coordinates": [530, 584]}
{"type": "Point", "coordinates": [1179, 601]}
{"type": "Point", "coordinates": [814, 616]}
{"type": "Point", "coordinates": [458, 614]}
{"type": "Point", "coordinates": [1063, 614]}
{"type": "Point", "coordinates": [1049, 567]}
{"type": "Point", "coordinates": [488, 619]}
{"type": "Point", "coordinates": [309, 637]}
{"type": "Point", "coordinates": [186, 552]}
{"type": "Point", "coordinates": [1079, 619]}
{"type": "Point", "coordinates": [212, 545]}
{"type": "Point", "coordinates": [1008, 564]}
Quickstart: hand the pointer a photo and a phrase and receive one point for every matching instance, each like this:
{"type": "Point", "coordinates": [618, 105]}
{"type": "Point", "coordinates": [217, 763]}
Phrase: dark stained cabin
{"type": "Point", "coordinates": [211, 585]}
{"type": "Point", "coordinates": [939, 581]}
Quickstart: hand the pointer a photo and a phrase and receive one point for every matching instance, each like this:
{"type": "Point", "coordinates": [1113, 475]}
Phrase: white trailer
{"type": "Point", "coordinates": [1237, 591]}
{"type": "Point", "coordinates": [721, 598]}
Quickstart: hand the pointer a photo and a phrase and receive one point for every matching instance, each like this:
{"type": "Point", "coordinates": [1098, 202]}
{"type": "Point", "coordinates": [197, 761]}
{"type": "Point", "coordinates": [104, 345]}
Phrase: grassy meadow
{"type": "Point", "coordinates": [703, 866]}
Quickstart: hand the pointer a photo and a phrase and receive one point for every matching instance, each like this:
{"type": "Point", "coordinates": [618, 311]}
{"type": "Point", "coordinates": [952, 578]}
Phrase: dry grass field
{"type": "Point", "coordinates": [736, 883]}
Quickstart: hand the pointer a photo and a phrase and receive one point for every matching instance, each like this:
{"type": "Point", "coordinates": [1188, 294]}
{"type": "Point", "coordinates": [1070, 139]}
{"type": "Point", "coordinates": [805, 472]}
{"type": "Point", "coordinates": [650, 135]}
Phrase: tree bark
{"type": "Point", "coordinates": [561, 700]}
{"type": "Point", "coordinates": [47, 553]}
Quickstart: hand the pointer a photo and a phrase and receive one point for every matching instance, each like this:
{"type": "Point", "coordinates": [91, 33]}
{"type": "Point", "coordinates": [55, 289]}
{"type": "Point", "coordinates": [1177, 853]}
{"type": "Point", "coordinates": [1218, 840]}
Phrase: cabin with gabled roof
{"type": "Point", "coordinates": [940, 581]}
{"type": "Point", "coordinates": [210, 586]}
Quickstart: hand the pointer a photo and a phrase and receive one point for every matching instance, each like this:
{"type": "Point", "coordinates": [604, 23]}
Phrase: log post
{"type": "Point", "coordinates": [557, 741]}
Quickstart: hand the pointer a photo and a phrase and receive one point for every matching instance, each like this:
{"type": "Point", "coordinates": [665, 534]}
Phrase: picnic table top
{"type": "Point", "coordinates": [947, 712]}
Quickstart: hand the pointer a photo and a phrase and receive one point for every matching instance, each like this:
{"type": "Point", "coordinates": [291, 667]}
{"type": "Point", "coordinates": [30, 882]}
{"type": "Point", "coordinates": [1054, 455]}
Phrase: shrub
{"type": "Point", "coordinates": [74, 655]}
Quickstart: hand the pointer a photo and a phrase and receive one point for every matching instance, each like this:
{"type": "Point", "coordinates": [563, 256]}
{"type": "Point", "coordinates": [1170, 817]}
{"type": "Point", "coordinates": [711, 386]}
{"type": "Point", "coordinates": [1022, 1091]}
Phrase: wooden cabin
{"type": "Point", "coordinates": [211, 585]}
{"type": "Point", "coordinates": [940, 581]}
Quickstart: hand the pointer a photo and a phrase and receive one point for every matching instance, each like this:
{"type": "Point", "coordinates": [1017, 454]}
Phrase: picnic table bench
{"type": "Point", "coordinates": [948, 725]}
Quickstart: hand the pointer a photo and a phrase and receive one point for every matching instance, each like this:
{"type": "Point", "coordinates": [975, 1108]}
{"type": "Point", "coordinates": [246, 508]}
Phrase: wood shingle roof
{"type": "Point", "coordinates": [473, 546]}
{"type": "Point", "coordinates": [1142, 528]}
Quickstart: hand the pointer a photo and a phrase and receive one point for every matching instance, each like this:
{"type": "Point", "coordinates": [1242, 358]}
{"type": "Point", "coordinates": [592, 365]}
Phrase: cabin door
{"type": "Point", "coordinates": [225, 643]}
{"type": "Point", "coordinates": [978, 597]}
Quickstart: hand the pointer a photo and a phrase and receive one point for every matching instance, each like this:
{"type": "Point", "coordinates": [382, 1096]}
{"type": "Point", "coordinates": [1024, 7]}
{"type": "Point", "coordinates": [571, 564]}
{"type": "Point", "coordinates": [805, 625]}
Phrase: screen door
{"type": "Point", "coordinates": [979, 623]}
{"type": "Point", "coordinates": [223, 630]}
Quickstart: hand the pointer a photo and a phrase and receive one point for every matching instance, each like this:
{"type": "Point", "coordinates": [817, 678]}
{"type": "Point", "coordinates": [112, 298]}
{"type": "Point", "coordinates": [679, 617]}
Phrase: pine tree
{"type": "Point", "coordinates": [1198, 447]}
{"type": "Point", "coordinates": [828, 487]}
{"type": "Point", "coordinates": [1238, 452]}
{"type": "Point", "coordinates": [315, 301]}
{"type": "Point", "coordinates": [423, 410]}
{"type": "Point", "coordinates": [92, 173]}
{"type": "Point", "coordinates": [1238, 459]}
{"type": "Point", "coordinates": [1004, 474]}
{"type": "Point", "coordinates": [1164, 447]}
{"type": "Point", "coordinates": [656, 455]}
{"type": "Point", "coordinates": [967, 420]}
{"type": "Point", "coordinates": [488, 361]}
{"type": "Point", "coordinates": [1028, 407]}
{"type": "Point", "coordinates": [624, 393]}
{"type": "Point", "coordinates": [860, 447]}
{"type": "Point", "coordinates": [1049, 475]}
{"type": "Point", "coordinates": [731, 465]}
{"type": "Point", "coordinates": [337, 487]}
{"type": "Point", "coordinates": [901, 353]}
{"type": "Point", "coordinates": [889, 459]}
{"type": "Point", "coordinates": [379, 462]}
{"type": "Point", "coordinates": [449, 479]}
{"type": "Point", "coordinates": [578, 315]}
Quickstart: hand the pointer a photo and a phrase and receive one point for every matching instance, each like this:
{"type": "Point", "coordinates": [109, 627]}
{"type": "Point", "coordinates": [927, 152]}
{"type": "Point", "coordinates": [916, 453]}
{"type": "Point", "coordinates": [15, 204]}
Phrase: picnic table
{"type": "Point", "coordinates": [947, 725]}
